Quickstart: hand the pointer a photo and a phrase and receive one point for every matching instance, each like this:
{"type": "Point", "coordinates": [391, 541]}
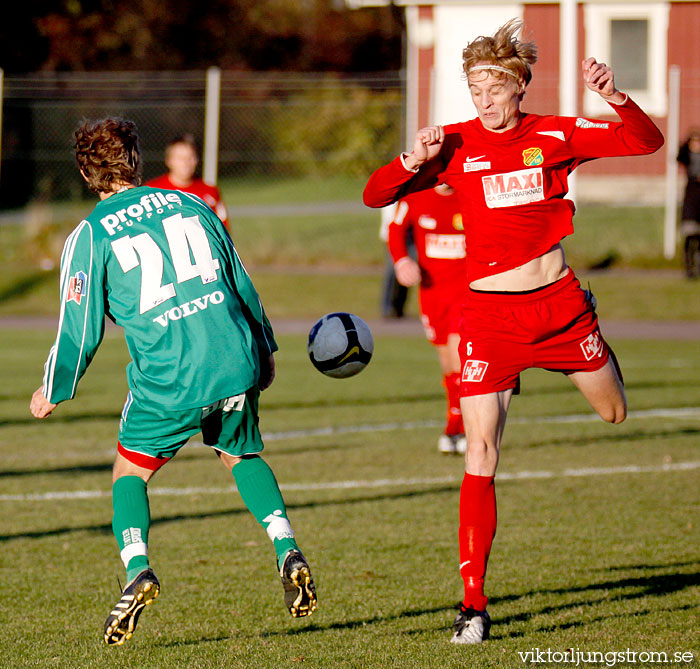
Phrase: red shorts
{"type": "Point", "coordinates": [553, 327]}
{"type": "Point", "coordinates": [440, 313]}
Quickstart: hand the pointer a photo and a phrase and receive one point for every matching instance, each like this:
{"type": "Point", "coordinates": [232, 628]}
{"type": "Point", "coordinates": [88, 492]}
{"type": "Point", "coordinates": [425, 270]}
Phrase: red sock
{"type": "Point", "coordinates": [454, 412]}
{"type": "Point", "coordinates": [477, 527]}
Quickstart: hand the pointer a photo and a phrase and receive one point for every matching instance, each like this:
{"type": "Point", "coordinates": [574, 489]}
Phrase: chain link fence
{"type": "Point", "coordinates": [271, 125]}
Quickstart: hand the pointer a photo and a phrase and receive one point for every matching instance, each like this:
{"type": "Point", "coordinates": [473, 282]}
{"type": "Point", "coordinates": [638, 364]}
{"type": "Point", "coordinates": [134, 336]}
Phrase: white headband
{"type": "Point", "coordinates": [476, 68]}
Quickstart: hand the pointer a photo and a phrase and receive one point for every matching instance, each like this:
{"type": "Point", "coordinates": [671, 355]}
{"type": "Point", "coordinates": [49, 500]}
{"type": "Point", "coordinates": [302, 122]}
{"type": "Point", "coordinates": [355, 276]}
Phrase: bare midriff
{"type": "Point", "coordinates": [541, 271]}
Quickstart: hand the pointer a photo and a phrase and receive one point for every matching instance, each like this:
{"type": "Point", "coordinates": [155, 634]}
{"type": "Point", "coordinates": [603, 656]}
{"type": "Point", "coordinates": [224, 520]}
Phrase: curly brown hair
{"type": "Point", "coordinates": [108, 154]}
{"type": "Point", "coordinates": [504, 50]}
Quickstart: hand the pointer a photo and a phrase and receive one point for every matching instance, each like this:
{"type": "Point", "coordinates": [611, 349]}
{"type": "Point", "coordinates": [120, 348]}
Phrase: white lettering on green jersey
{"type": "Point", "coordinates": [142, 250]}
{"type": "Point", "coordinates": [189, 308]}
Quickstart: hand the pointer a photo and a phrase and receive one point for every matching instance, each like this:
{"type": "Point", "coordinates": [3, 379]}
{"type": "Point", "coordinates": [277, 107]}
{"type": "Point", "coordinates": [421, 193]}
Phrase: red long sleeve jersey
{"type": "Point", "coordinates": [511, 185]}
{"type": "Point", "coordinates": [210, 194]}
{"type": "Point", "coordinates": [436, 222]}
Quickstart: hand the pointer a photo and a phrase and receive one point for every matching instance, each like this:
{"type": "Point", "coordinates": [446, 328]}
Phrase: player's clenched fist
{"type": "Point", "coordinates": [407, 272]}
{"type": "Point", "coordinates": [40, 406]}
{"type": "Point", "coordinates": [427, 145]}
{"type": "Point", "coordinates": [599, 78]}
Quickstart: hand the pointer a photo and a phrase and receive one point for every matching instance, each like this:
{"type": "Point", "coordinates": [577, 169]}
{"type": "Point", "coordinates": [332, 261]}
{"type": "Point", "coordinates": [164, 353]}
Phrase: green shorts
{"type": "Point", "coordinates": [150, 435]}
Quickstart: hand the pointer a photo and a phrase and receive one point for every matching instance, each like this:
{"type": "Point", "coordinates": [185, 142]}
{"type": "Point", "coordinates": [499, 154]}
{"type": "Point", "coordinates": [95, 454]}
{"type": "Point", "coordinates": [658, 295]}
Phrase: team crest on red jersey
{"type": "Point", "coordinates": [533, 156]}
{"type": "Point", "coordinates": [474, 371]}
{"type": "Point", "coordinates": [76, 287]}
{"type": "Point", "coordinates": [592, 346]}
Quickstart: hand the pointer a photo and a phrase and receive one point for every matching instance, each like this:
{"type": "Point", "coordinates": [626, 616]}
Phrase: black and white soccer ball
{"type": "Point", "coordinates": [340, 345]}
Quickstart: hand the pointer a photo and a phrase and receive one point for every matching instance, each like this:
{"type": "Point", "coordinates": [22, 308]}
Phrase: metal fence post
{"type": "Point", "coordinates": [2, 99]}
{"type": "Point", "coordinates": [568, 69]}
{"type": "Point", "coordinates": [211, 126]}
{"type": "Point", "coordinates": [672, 136]}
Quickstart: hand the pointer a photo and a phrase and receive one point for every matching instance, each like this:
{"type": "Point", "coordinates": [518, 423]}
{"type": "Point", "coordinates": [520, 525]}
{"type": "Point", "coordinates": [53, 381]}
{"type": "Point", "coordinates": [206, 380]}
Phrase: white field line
{"type": "Point", "coordinates": [369, 484]}
{"type": "Point", "coordinates": [681, 412]}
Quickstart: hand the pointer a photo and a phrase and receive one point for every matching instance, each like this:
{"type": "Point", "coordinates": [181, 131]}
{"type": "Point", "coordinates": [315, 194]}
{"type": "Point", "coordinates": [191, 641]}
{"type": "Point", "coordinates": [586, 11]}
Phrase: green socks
{"type": "Point", "coordinates": [260, 493]}
{"type": "Point", "coordinates": [130, 523]}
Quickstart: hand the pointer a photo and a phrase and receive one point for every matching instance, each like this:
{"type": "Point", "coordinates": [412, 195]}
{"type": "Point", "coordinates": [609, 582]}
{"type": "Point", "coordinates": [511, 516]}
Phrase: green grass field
{"type": "Point", "coordinates": [623, 236]}
{"type": "Point", "coordinates": [597, 545]}
{"type": "Point", "coordinates": [259, 190]}
{"type": "Point", "coordinates": [589, 554]}
{"type": "Point", "coordinates": [302, 292]}
{"type": "Point", "coordinates": [300, 262]}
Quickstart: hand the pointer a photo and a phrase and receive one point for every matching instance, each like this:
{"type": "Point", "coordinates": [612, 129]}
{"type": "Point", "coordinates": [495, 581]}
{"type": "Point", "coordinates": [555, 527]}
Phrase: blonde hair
{"type": "Point", "coordinates": [504, 51]}
{"type": "Point", "coordinates": [107, 153]}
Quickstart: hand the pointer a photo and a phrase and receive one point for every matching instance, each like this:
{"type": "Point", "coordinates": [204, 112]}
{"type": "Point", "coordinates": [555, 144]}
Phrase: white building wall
{"type": "Point", "coordinates": [456, 26]}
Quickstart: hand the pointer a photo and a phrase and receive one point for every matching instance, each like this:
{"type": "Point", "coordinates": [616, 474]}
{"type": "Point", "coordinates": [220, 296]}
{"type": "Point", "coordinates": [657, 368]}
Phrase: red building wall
{"type": "Point", "coordinates": [542, 24]}
{"type": "Point", "coordinates": [426, 62]}
{"type": "Point", "coordinates": [542, 21]}
{"type": "Point", "coordinates": [684, 51]}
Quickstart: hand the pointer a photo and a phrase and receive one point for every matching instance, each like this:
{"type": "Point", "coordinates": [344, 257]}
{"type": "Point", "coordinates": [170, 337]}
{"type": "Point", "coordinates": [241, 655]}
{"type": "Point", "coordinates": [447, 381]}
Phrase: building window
{"type": "Point", "coordinates": [632, 38]}
{"type": "Point", "coordinates": [629, 49]}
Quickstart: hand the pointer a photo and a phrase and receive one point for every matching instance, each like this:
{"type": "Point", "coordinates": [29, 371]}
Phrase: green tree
{"type": "Point", "coordinates": [305, 35]}
{"type": "Point", "coordinates": [352, 131]}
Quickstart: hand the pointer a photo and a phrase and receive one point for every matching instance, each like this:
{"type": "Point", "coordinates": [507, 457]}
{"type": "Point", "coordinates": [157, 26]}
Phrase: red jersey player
{"type": "Point", "coordinates": [181, 160]}
{"type": "Point", "coordinates": [433, 216]}
{"type": "Point", "coordinates": [523, 307]}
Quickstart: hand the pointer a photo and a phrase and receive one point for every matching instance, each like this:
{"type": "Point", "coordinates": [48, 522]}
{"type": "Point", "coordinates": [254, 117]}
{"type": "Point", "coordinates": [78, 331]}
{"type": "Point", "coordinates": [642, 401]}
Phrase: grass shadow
{"type": "Point", "coordinates": [615, 438]}
{"type": "Point", "coordinates": [175, 518]}
{"type": "Point", "coordinates": [192, 642]}
{"type": "Point", "coordinates": [26, 284]}
{"type": "Point", "coordinates": [363, 622]}
{"type": "Point", "coordinates": [632, 588]}
{"type": "Point", "coordinates": [76, 469]}
{"type": "Point", "coordinates": [69, 418]}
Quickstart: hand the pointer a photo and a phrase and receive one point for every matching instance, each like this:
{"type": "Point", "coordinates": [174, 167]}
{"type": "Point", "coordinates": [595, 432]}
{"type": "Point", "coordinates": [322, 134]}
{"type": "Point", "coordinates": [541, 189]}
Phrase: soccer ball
{"type": "Point", "coordinates": [340, 345]}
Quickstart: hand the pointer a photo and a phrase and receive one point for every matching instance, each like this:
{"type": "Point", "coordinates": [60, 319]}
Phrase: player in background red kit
{"type": "Point", "coordinates": [181, 159]}
{"type": "Point", "coordinates": [523, 307]}
{"type": "Point", "coordinates": [433, 216]}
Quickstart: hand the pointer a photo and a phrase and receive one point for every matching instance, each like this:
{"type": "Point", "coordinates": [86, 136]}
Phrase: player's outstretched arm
{"type": "Point", "coordinates": [81, 324]}
{"type": "Point", "coordinates": [40, 406]}
{"type": "Point", "coordinates": [402, 176]}
{"type": "Point", "coordinates": [600, 79]}
{"type": "Point", "coordinates": [634, 135]}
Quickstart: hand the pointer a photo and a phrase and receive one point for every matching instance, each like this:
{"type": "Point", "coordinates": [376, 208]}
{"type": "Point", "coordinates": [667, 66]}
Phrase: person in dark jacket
{"type": "Point", "coordinates": [689, 157]}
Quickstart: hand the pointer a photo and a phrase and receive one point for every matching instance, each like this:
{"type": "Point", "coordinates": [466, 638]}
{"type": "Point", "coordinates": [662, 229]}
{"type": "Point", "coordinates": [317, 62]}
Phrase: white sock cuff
{"type": "Point", "coordinates": [279, 528]}
{"type": "Point", "coordinates": [132, 550]}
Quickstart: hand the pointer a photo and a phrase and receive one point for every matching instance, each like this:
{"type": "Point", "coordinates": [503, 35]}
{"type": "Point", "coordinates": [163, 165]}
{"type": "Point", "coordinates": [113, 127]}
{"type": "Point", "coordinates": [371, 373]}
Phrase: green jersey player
{"type": "Point", "coordinates": [160, 264]}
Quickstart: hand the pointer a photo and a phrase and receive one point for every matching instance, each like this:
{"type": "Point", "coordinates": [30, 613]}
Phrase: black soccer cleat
{"type": "Point", "coordinates": [471, 626]}
{"type": "Point", "coordinates": [121, 622]}
{"type": "Point", "coordinates": [299, 588]}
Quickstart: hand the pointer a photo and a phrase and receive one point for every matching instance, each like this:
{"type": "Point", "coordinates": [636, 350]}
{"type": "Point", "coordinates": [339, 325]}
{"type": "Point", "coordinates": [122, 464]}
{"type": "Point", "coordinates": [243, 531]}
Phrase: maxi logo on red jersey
{"type": "Point", "coordinates": [592, 346]}
{"type": "Point", "coordinates": [513, 188]}
{"type": "Point", "coordinates": [77, 286]}
{"type": "Point", "coordinates": [445, 247]}
{"type": "Point", "coordinates": [474, 371]}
